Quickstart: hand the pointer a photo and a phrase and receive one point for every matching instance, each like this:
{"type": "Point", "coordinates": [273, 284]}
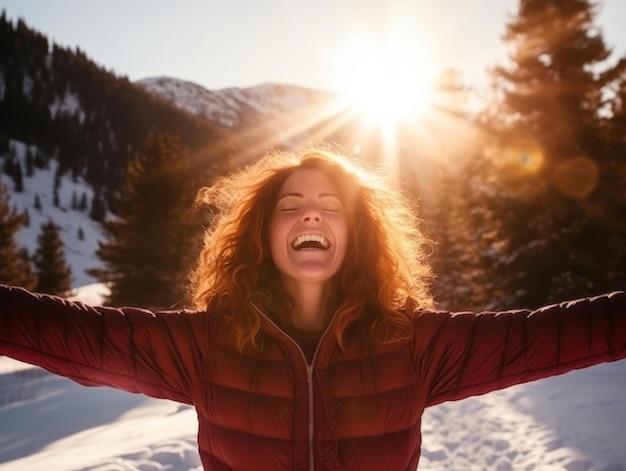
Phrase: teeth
{"type": "Point", "coordinates": [311, 239]}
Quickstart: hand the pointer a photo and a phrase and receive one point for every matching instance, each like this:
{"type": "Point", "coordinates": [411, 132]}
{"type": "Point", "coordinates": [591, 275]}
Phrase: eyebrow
{"type": "Point", "coordinates": [300, 195]}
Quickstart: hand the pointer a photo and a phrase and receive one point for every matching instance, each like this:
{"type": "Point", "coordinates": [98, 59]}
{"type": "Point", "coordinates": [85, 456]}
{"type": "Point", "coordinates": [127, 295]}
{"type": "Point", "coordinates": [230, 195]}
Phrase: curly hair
{"type": "Point", "coordinates": [385, 278]}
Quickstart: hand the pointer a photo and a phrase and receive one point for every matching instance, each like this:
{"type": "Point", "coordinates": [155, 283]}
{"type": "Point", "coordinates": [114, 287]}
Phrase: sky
{"type": "Point", "coordinates": [239, 43]}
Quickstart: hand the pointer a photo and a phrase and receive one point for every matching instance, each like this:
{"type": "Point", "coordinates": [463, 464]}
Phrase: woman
{"type": "Point", "coordinates": [313, 344]}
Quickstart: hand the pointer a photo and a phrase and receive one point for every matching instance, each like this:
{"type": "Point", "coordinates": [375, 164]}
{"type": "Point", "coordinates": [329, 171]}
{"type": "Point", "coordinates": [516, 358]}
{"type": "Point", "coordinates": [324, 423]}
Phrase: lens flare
{"type": "Point", "coordinates": [525, 156]}
{"type": "Point", "coordinates": [576, 177]}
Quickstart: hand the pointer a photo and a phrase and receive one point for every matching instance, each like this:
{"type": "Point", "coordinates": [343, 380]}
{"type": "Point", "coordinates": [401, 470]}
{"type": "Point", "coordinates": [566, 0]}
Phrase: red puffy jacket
{"type": "Point", "coordinates": [356, 408]}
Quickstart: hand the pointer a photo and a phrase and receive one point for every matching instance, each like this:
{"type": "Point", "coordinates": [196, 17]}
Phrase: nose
{"type": "Point", "coordinates": [311, 213]}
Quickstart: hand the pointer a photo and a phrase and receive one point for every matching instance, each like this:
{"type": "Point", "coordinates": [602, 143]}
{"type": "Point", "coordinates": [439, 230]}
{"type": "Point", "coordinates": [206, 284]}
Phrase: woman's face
{"type": "Point", "coordinates": [308, 232]}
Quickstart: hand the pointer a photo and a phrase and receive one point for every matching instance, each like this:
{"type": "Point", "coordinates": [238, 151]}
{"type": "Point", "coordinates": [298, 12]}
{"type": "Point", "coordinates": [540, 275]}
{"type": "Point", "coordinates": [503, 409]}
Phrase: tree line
{"type": "Point", "coordinates": [88, 119]}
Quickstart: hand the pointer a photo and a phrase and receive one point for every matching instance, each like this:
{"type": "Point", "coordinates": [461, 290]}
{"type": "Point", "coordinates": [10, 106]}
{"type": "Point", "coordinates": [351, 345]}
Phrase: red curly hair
{"type": "Point", "coordinates": [385, 278]}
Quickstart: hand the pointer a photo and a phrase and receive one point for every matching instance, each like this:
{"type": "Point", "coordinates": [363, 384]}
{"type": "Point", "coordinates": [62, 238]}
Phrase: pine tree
{"type": "Point", "coordinates": [39, 160]}
{"type": "Point", "coordinates": [153, 242]}
{"type": "Point", "coordinates": [553, 90]}
{"type": "Point", "coordinates": [56, 185]}
{"type": "Point", "coordinates": [9, 164]}
{"type": "Point", "coordinates": [74, 201]}
{"type": "Point", "coordinates": [55, 275]}
{"type": "Point", "coordinates": [18, 177]}
{"type": "Point", "coordinates": [4, 143]}
{"type": "Point", "coordinates": [30, 163]}
{"type": "Point", "coordinates": [550, 154]}
{"type": "Point", "coordinates": [98, 207]}
{"type": "Point", "coordinates": [13, 168]}
{"type": "Point", "coordinates": [616, 173]}
{"type": "Point", "coordinates": [82, 205]}
{"type": "Point", "coordinates": [15, 268]}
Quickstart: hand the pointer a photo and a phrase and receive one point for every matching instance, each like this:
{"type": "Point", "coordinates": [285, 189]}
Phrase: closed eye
{"type": "Point", "coordinates": [330, 203]}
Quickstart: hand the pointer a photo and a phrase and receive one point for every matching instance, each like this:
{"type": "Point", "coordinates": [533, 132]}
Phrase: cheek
{"type": "Point", "coordinates": [343, 238]}
{"type": "Point", "coordinates": [276, 236]}
{"type": "Point", "coordinates": [271, 236]}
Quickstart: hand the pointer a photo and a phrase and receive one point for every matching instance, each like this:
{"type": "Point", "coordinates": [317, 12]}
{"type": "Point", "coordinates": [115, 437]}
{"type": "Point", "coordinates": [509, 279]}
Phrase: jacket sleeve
{"type": "Point", "coordinates": [133, 349]}
{"type": "Point", "coordinates": [464, 354]}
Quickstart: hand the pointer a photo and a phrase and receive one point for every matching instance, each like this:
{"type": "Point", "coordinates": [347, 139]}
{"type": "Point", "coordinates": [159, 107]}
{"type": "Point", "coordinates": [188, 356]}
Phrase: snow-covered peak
{"type": "Point", "coordinates": [194, 99]}
{"type": "Point", "coordinates": [227, 106]}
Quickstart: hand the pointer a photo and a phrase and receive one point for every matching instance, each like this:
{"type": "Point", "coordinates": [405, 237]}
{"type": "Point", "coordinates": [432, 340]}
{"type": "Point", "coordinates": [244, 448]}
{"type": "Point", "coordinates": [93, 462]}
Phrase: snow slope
{"type": "Point", "coordinates": [80, 253]}
{"type": "Point", "coordinates": [572, 422]}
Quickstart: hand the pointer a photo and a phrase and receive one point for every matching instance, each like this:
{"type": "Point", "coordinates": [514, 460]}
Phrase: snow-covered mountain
{"type": "Point", "coordinates": [260, 118]}
{"type": "Point", "coordinates": [235, 107]}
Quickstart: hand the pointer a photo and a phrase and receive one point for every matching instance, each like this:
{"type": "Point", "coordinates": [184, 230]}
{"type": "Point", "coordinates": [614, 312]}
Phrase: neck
{"type": "Point", "coordinates": [311, 304]}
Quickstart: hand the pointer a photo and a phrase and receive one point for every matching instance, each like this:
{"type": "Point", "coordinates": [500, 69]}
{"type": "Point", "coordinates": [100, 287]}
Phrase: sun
{"type": "Point", "coordinates": [386, 81]}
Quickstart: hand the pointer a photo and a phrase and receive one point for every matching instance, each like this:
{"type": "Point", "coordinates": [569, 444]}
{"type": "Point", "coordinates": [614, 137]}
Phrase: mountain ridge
{"type": "Point", "coordinates": [225, 106]}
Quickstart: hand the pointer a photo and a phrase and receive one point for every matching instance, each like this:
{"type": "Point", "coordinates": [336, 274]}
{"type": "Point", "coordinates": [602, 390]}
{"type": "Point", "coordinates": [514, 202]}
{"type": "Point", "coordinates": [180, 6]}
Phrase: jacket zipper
{"type": "Point", "coordinates": [309, 379]}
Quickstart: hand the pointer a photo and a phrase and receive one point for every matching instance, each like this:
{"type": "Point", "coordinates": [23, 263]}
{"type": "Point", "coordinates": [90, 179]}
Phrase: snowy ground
{"type": "Point", "coordinates": [573, 422]}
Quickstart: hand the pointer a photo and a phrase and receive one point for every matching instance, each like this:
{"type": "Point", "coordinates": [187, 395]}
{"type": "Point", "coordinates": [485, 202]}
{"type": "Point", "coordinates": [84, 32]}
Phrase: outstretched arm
{"type": "Point", "coordinates": [464, 354]}
{"type": "Point", "coordinates": [126, 348]}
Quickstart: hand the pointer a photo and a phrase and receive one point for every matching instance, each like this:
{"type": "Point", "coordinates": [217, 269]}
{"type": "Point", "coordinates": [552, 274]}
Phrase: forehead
{"type": "Point", "coordinates": [308, 181]}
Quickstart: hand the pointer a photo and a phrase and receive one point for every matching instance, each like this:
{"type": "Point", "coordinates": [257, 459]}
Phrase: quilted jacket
{"type": "Point", "coordinates": [357, 408]}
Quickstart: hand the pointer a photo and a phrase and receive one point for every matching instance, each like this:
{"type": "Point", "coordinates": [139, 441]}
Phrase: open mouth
{"type": "Point", "coordinates": [310, 241]}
